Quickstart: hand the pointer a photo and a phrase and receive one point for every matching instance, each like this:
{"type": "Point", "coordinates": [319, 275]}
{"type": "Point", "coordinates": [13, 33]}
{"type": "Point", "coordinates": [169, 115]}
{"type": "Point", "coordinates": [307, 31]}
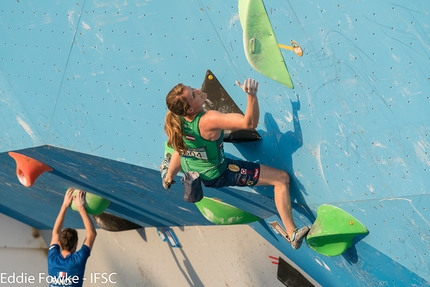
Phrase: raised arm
{"type": "Point", "coordinates": [214, 120]}
{"type": "Point", "coordinates": [252, 114]}
{"type": "Point", "coordinates": [89, 226]}
{"type": "Point", "coordinates": [59, 222]}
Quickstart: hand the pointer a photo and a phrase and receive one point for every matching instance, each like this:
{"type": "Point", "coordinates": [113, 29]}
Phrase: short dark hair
{"type": "Point", "coordinates": [68, 238]}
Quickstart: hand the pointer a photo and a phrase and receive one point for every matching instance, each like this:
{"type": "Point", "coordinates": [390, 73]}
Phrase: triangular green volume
{"type": "Point", "coordinates": [333, 231]}
{"type": "Point", "coordinates": [260, 44]}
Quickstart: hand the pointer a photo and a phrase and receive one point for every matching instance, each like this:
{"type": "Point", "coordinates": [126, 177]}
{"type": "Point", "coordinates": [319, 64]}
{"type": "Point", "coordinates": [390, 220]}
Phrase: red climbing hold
{"type": "Point", "coordinates": [28, 169]}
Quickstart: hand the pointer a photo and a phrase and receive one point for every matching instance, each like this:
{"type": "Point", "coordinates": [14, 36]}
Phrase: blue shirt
{"type": "Point", "coordinates": [67, 271]}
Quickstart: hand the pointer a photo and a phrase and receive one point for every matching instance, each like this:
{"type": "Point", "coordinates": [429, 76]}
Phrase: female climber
{"type": "Point", "coordinates": [197, 136]}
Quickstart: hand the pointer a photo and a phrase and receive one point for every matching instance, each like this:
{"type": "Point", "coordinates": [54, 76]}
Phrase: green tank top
{"type": "Point", "coordinates": [203, 156]}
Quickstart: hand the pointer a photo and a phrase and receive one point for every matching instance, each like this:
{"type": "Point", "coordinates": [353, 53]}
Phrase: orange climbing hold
{"type": "Point", "coordinates": [296, 48]}
{"type": "Point", "coordinates": [28, 169]}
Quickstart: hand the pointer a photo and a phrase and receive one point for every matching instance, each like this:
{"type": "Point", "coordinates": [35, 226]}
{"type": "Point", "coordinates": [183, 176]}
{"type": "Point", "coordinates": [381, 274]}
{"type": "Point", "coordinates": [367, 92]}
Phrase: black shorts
{"type": "Point", "coordinates": [237, 173]}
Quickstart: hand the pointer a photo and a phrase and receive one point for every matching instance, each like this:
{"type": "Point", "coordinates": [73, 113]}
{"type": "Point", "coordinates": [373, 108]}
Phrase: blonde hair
{"type": "Point", "coordinates": [178, 107]}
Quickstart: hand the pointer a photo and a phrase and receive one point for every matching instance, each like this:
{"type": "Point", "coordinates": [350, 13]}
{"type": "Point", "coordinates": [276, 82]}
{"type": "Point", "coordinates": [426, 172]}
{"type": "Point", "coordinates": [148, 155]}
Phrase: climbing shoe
{"type": "Point", "coordinates": [163, 169]}
{"type": "Point", "coordinates": [298, 236]}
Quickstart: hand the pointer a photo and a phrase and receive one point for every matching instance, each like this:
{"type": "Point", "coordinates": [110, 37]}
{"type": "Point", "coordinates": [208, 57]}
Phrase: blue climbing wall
{"type": "Point", "coordinates": [82, 88]}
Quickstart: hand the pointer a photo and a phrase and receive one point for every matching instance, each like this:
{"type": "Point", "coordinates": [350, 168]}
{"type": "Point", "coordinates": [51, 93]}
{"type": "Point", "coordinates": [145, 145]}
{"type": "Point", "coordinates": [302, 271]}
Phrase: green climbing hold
{"type": "Point", "coordinates": [260, 44]}
{"type": "Point", "coordinates": [94, 204]}
{"type": "Point", "coordinates": [221, 213]}
{"type": "Point", "coordinates": [333, 231]}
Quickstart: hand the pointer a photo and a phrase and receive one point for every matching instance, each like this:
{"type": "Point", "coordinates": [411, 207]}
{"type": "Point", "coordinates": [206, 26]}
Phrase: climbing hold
{"type": "Point", "coordinates": [110, 222]}
{"type": "Point", "coordinates": [94, 204]}
{"type": "Point", "coordinates": [218, 99]}
{"type": "Point", "coordinates": [294, 47]}
{"type": "Point", "coordinates": [28, 169]}
{"type": "Point", "coordinates": [222, 213]}
{"type": "Point", "coordinates": [260, 44]}
{"type": "Point", "coordinates": [333, 231]}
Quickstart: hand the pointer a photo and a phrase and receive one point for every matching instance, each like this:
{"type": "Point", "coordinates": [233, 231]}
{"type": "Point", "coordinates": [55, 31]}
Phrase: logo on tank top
{"type": "Point", "coordinates": [199, 153]}
{"type": "Point", "coordinates": [190, 137]}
